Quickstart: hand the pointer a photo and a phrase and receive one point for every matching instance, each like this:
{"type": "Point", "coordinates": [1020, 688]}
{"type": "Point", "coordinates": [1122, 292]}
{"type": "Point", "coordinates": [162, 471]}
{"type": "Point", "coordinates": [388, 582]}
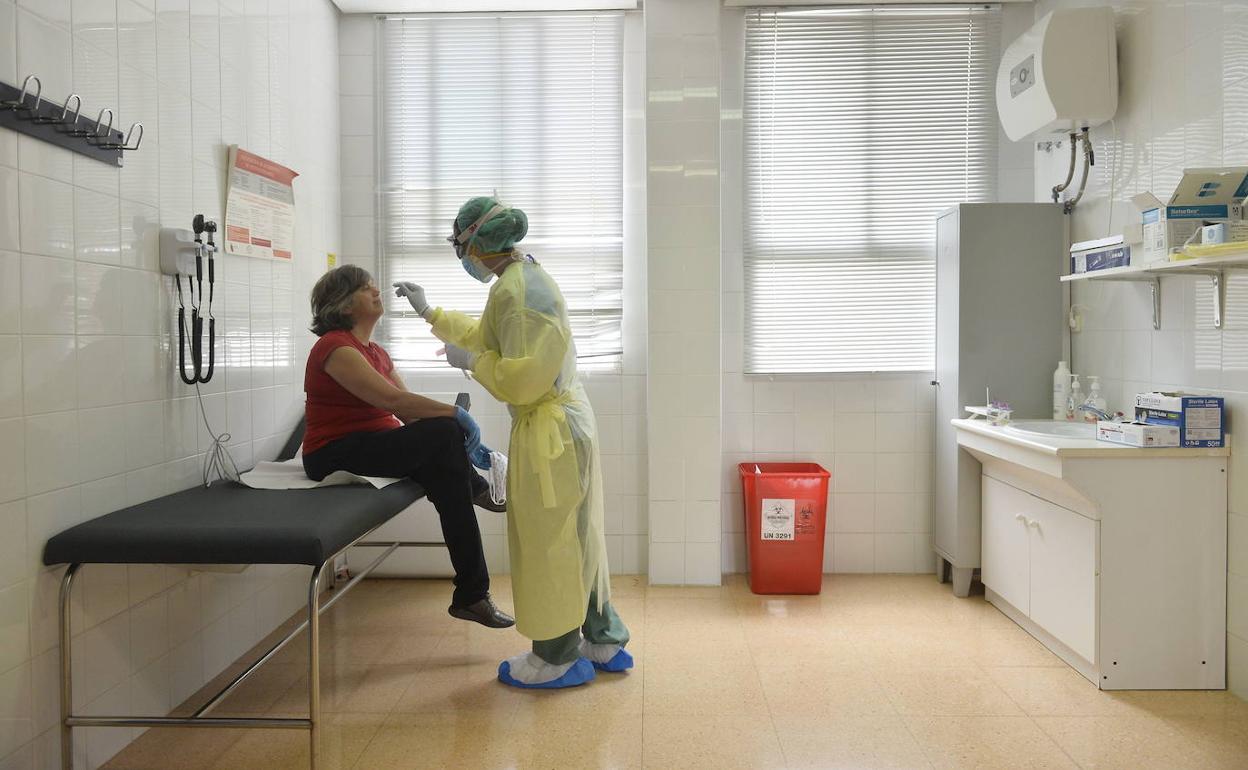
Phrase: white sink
{"type": "Point", "coordinates": [1053, 429]}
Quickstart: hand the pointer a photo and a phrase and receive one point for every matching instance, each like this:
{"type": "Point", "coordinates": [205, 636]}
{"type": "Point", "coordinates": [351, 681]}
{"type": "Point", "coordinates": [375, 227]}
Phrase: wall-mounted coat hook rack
{"type": "Point", "coordinates": [24, 109]}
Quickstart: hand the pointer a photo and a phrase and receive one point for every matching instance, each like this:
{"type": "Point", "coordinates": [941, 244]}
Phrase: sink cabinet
{"type": "Point", "coordinates": [1112, 557]}
{"type": "Point", "coordinates": [1041, 558]}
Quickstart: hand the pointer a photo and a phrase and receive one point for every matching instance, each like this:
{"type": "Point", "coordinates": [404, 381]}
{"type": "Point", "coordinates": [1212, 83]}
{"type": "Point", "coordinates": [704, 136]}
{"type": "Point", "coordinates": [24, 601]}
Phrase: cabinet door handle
{"type": "Point", "coordinates": [1034, 524]}
{"type": "Point", "coordinates": [1022, 518]}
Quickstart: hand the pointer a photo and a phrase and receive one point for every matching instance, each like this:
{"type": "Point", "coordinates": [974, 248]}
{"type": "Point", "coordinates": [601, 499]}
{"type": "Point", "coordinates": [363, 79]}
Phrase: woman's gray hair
{"type": "Point", "coordinates": [332, 297]}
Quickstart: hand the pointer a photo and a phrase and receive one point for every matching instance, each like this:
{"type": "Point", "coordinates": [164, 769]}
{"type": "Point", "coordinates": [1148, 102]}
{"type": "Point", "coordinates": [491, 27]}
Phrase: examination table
{"type": "Point", "coordinates": [228, 523]}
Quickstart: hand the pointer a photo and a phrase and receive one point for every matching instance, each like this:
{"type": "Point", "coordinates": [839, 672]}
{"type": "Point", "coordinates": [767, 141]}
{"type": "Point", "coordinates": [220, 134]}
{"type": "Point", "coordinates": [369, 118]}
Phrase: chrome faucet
{"type": "Point", "coordinates": [1100, 413]}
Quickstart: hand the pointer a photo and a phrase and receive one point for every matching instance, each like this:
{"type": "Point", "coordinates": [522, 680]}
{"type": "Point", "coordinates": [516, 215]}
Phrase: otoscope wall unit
{"type": "Point", "coordinates": [24, 109]}
{"type": "Point", "coordinates": [189, 254]}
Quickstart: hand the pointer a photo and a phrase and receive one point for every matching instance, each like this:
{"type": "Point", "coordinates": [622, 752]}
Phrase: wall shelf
{"type": "Point", "coordinates": [1213, 268]}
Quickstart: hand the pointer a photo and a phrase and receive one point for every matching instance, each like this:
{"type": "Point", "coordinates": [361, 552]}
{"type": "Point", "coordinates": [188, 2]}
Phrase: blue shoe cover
{"type": "Point", "coordinates": [582, 671]}
{"type": "Point", "coordinates": [621, 661]}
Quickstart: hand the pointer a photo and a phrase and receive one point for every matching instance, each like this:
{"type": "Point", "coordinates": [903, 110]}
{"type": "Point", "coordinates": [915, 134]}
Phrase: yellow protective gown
{"type": "Point", "coordinates": [527, 359]}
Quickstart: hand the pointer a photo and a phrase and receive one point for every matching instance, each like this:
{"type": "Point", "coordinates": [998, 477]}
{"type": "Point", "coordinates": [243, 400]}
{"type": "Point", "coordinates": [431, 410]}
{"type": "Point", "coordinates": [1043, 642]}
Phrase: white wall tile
{"type": "Point", "coordinates": [1237, 542]}
{"type": "Point", "coordinates": [140, 176]}
{"type": "Point", "coordinates": [13, 545]}
{"type": "Point", "coordinates": [896, 513]}
{"type": "Point", "coordinates": [854, 553]}
{"type": "Point", "coordinates": [8, 42]}
{"type": "Point", "coordinates": [48, 295]}
{"type": "Point", "coordinates": [894, 553]}
{"type": "Point", "coordinates": [11, 291]}
{"type": "Point", "coordinates": [44, 46]}
{"type": "Point", "coordinates": [9, 210]}
{"type": "Point", "coordinates": [43, 159]}
{"type": "Point", "coordinates": [95, 79]}
{"type": "Point", "coordinates": [894, 431]}
{"type": "Point", "coordinates": [149, 632]}
{"type": "Point", "coordinates": [853, 513]}
{"type": "Point", "coordinates": [46, 515]}
{"type": "Point", "coordinates": [51, 456]}
{"type": "Point", "coordinates": [13, 457]}
{"type": "Point", "coordinates": [855, 432]}
{"type": "Point", "coordinates": [15, 708]}
{"type": "Point", "coordinates": [49, 373]}
{"type": "Point", "coordinates": [894, 395]}
{"type": "Point", "coordinates": [773, 433]}
{"type": "Point", "coordinates": [702, 521]}
{"type": "Point", "coordinates": [854, 396]}
{"type": "Point", "coordinates": [702, 563]}
{"type": "Point", "coordinates": [103, 657]}
{"type": "Point", "coordinates": [145, 375]}
{"type": "Point", "coordinates": [145, 434]}
{"type": "Point", "coordinates": [667, 521]}
{"type": "Point", "coordinates": [100, 379]}
{"type": "Point", "coordinates": [99, 432]}
{"type": "Point", "coordinates": [136, 39]}
{"type": "Point", "coordinates": [10, 377]}
{"type": "Point", "coordinates": [47, 216]}
{"type": "Point", "coordinates": [95, 22]}
{"type": "Point", "coordinates": [100, 298]}
{"type": "Point", "coordinates": [854, 473]}
{"type": "Point", "coordinates": [895, 473]}
{"type": "Point", "coordinates": [666, 563]}
{"type": "Point", "coordinates": [141, 294]}
{"type": "Point", "coordinates": [14, 626]}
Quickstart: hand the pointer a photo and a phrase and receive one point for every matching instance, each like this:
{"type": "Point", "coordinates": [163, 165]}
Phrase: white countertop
{"type": "Point", "coordinates": [1074, 447]}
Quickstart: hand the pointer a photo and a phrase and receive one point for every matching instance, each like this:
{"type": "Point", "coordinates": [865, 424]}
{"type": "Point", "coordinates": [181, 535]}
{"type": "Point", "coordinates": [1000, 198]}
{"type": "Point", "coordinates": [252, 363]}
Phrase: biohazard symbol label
{"type": "Point", "coordinates": [778, 519]}
{"type": "Point", "coordinates": [805, 518]}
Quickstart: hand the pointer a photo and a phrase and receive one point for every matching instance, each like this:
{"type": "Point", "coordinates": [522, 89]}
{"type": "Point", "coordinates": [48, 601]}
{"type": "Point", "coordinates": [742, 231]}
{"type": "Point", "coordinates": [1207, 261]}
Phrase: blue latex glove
{"type": "Point", "coordinates": [472, 431]}
{"type": "Point", "coordinates": [480, 457]}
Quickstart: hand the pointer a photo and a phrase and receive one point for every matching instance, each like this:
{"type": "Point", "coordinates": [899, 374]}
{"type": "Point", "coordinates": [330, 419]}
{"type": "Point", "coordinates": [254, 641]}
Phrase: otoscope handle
{"type": "Point", "coordinates": [182, 348]}
{"type": "Point", "coordinates": [212, 347]}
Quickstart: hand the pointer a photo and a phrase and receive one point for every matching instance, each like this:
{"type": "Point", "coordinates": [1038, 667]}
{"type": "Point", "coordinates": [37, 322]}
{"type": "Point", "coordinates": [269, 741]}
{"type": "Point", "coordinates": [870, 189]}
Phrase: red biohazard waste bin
{"type": "Point", "coordinates": [786, 508]}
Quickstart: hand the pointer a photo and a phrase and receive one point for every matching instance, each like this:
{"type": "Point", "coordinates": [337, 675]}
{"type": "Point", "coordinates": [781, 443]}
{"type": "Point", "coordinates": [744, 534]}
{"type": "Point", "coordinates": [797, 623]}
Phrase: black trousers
{"type": "Point", "coordinates": [431, 452]}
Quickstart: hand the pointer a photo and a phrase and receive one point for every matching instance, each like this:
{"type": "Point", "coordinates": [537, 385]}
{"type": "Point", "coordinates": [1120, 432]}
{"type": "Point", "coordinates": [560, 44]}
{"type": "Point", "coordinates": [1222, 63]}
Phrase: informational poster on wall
{"type": "Point", "coordinates": [259, 207]}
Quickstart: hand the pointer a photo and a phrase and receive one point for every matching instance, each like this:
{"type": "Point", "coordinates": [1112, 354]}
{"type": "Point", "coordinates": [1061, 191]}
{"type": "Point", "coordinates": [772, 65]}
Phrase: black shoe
{"type": "Point", "coordinates": [484, 500]}
{"type": "Point", "coordinates": [483, 612]}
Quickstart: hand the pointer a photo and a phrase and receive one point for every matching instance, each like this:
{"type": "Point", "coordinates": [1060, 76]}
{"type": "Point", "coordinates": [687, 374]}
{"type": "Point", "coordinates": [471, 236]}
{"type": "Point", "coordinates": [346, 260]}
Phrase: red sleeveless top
{"type": "Point", "coordinates": [332, 411]}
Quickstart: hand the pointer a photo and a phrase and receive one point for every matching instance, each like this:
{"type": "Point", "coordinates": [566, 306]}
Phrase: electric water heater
{"type": "Point", "coordinates": [1060, 76]}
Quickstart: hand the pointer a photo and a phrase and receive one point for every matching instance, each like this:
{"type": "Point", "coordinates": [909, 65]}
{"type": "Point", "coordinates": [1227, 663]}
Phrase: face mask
{"type": "Point", "coordinates": [474, 267]}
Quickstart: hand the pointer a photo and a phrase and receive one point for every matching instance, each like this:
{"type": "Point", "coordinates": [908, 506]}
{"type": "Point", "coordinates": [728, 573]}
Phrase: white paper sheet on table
{"type": "Point", "coordinates": [290, 475]}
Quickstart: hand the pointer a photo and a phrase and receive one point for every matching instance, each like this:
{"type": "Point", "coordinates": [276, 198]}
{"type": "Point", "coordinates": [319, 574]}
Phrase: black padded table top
{"type": "Point", "coordinates": [228, 523]}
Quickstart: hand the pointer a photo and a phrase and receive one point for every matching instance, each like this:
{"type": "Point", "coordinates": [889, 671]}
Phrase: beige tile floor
{"type": "Point", "coordinates": [877, 672]}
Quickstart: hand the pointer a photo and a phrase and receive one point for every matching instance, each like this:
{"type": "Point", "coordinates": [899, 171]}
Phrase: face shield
{"type": "Point", "coordinates": [460, 240]}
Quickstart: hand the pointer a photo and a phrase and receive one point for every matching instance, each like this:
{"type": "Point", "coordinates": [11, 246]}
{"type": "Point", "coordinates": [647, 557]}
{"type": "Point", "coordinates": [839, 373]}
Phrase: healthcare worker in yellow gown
{"type": "Point", "coordinates": [521, 351]}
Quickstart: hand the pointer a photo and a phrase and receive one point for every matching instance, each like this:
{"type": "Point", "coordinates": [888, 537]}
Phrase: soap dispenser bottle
{"type": "Point", "coordinates": [1095, 400]}
{"type": "Point", "coordinates": [1075, 399]}
{"type": "Point", "coordinates": [1061, 390]}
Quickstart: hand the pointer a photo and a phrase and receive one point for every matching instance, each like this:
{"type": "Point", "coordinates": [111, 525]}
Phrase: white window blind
{"type": "Point", "coordinates": [861, 124]}
{"type": "Point", "coordinates": [525, 106]}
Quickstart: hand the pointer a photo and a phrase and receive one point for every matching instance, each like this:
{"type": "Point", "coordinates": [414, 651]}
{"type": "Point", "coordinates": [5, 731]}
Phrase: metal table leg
{"type": "Point", "coordinates": [314, 664]}
{"type": "Point", "coordinates": [67, 681]}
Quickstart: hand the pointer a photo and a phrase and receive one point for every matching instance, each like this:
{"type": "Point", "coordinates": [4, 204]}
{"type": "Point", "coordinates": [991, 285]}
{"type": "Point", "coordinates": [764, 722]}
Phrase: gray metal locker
{"type": "Point", "coordinates": [999, 313]}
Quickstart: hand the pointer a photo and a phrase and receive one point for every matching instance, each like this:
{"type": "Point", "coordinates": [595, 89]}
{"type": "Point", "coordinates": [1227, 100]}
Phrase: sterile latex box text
{"type": "Point", "coordinates": [1201, 420]}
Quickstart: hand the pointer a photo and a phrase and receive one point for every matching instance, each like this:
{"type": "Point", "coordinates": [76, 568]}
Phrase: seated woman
{"type": "Point", "coordinates": [361, 419]}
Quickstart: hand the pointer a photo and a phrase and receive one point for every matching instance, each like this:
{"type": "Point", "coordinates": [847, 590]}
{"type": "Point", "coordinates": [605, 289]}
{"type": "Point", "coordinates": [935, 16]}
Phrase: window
{"type": "Point", "coordinates": [525, 106]}
{"type": "Point", "coordinates": [860, 126]}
